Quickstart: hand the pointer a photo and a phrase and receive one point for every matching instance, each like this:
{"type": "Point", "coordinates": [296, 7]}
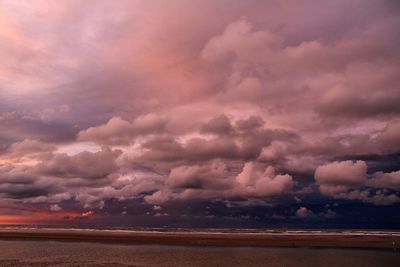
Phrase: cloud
{"type": "Point", "coordinates": [390, 180]}
{"type": "Point", "coordinates": [227, 142]}
{"type": "Point", "coordinates": [343, 101]}
{"type": "Point", "coordinates": [337, 177]}
{"type": "Point", "coordinates": [15, 127]}
{"type": "Point", "coordinates": [249, 124]}
{"type": "Point", "coordinates": [88, 213]}
{"type": "Point", "coordinates": [29, 148]}
{"type": "Point", "coordinates": [120, 132]}
{"type": "Point", "coordinates": [349, 180]}
{"type": "Point", "coordinates": [388, 141]}
{"type": "Point", "coordinates": [55, 207]}
{"type": "Point", "coordinates": [255, 181]}
{"type": "Point", "coordinates": [303, 212]}
{"type": "Point", "coordinates": [212, 176]}
{"type": "Point", "coordinates": [219, 125]}
{"type": "Point", "coordinates": [86, 165]}
{"type": "Point", "coordinates": [238, 40]}
{"type": "Point", "coordinates": [214, 180]}
{"type": "Point", "coordinates": [156, 207]}
{"type": "Point", "coordinates": [158, 197]}
{"type": "Point", "coordinates": [17, 183]}
{"type": "Point", "coordinates": [384, 199]}
{"type": "Point", "coordinates": [328, 214]}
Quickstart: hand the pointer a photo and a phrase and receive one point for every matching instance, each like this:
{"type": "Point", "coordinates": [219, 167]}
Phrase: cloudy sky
{"type": "Point", "coordinates": [200, 113]}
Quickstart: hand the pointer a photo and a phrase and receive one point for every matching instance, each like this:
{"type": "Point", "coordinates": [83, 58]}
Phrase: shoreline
{"type": "Point", "coordinates": [224, 239]}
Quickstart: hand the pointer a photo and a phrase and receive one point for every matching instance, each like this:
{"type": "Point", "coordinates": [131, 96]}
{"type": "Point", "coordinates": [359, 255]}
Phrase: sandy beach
{"type": "Point", "coordinates": [18, 253]}
{"type": "Point", "coordinates": [319, 239]}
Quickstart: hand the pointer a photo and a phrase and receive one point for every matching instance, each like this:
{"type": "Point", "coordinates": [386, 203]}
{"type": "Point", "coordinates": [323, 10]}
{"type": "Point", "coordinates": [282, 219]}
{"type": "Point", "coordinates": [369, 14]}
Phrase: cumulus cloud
{"type": "Point", "coordinates": [245, 141]}
{"type": "Point", "coordinates": [16, 182]}
{"type": "Point", "coordinates": [215, 180]}
{"type": "Point", "coordinates": [390, 180]}
{"type": "Point", "coordinates": [212, 176]}
{"type": "Point", "coordinates": [121, 132]}
{"type": "Point", "coordinates": [29, 147]}
{"type": "Point", "coordinates": [255, 181]}
{"type": "Point", "coordinates": [85, 164]}
{"type": "Point", "coordinates": [349, 180]}
{"type": "Point", "coordinates": [337, 177]}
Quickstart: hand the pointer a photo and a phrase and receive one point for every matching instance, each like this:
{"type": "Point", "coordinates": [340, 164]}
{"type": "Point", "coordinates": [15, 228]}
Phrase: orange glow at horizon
{"type": "Point", "coordinates": [41, 217]}
{"type": "Point", "coordinates": [13, 219]}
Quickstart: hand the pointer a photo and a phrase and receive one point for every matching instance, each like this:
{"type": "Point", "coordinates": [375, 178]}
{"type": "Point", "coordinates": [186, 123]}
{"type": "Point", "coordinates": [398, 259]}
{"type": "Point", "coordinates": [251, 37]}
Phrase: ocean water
{"type": "Point", "coordinates": [50, 253]}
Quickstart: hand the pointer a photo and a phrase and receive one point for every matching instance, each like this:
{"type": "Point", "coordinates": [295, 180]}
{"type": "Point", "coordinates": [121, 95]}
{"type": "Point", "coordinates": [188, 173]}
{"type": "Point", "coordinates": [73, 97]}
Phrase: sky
{"type": "Point", "coordinates": [200, 113]}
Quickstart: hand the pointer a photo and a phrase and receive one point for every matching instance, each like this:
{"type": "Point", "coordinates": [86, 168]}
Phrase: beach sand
{"type": "Point", "coordinates": [204, 238]}
{"type": "Point", "coordinates": [40, 253]}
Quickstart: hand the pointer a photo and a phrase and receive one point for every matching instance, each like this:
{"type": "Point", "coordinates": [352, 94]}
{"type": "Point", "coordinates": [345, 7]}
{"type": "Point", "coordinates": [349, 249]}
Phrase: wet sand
{"type": "Point", "coordinates": [17, 253]}
{"type": "Point", "coordinates": [194, 238]}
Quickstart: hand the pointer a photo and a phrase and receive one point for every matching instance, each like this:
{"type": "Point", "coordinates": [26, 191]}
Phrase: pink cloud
{"type": "Point", "coordinates": [337, 177]}
{"type": "Point", "coordinates": [349, 180]}
{"type": "Point", "coordinates": [255, 181]}
{"type": "Point", "coordinates": [244, 102]}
